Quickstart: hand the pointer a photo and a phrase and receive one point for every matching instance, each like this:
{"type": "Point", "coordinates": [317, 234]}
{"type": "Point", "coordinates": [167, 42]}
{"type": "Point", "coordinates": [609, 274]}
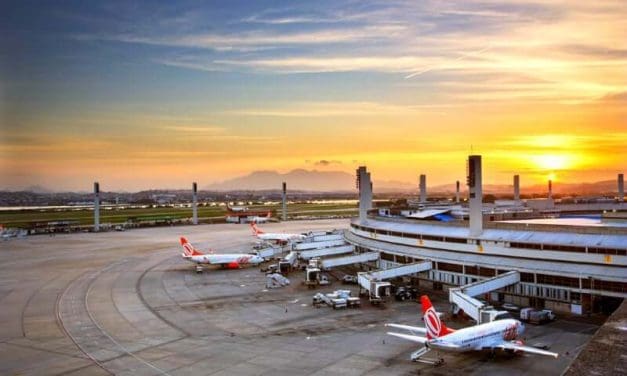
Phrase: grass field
{"type": "Point", "coordinates": [26, 218]}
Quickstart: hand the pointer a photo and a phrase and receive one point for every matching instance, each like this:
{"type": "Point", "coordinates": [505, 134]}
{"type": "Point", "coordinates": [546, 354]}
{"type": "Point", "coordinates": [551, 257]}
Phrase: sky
{"type": "Point", "coordinates": [141, 95]}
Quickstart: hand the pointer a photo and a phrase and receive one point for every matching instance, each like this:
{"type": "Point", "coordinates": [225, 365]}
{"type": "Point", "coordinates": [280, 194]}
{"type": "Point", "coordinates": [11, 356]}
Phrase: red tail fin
{"type": "Point", "coordinates": [435, 327]}
{"type": "Point", "coordinates": [256, 230]}
{"type": "Point", "coordinates": [189, 249]}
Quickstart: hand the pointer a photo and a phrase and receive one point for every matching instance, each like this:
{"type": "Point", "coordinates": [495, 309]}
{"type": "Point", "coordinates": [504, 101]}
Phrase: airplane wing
{"type": "Point", "coordinates": [529, 349]}
{"type": "Point", "coordinates": [413, 329]}
{"type": "Point", "coordinates": [409, 337]}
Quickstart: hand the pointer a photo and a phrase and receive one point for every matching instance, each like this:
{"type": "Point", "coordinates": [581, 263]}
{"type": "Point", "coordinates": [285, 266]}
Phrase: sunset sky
{"type": "Point", "coordinates": [141, 96]}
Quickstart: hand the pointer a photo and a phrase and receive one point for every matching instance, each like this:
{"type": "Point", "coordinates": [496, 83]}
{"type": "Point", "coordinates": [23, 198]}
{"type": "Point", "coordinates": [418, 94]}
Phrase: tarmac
{"type": "Point", "coordinates": [126, 303]}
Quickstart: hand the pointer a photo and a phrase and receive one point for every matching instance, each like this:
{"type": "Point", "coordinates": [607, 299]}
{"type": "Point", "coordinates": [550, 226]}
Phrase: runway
{"type": "Point", "coordinates": [126, 303]}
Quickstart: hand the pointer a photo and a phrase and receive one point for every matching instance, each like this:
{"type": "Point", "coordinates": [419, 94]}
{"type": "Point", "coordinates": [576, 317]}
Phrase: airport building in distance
{"type": "Point", "coordinates": [564, 265]}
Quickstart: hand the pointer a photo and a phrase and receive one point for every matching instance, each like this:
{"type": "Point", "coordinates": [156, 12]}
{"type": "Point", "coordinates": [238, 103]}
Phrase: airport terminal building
{"type": "Point", "coordinates": [568, 268]}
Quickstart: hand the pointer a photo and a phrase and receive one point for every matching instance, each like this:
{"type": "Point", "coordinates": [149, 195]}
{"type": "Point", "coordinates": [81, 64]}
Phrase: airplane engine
{"type": "Point", "coordinates": [518, 342]}
{"type": "Point", "coordinates": [232, 265]}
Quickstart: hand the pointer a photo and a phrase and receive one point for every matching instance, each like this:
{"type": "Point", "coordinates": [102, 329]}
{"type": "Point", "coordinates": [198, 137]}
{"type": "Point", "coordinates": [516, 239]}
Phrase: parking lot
{"type": "Point", "coordinates": [126, 303]}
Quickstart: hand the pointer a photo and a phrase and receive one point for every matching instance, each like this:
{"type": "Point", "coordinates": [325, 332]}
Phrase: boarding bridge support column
{"type": "Point", "coordinates": [475, 195]}
{"type": "Point", "coordinates": [194, 203]}
{"type": "Point", "coordinates": [364, 184]}
{"type": "Point", "coordinates": [457, 192]}
{"type": "Point", "coordinates": [550, 189]}
{"type": "Point", "coordinates": [96, 206]}
{"type": "Point", "coordinates": [550, 199]}
{"type": "Point", "coordinates": [284, 202]}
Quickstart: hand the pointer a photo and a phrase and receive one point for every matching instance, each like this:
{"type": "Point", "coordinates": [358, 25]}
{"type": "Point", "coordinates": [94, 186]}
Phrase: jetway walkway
{"type": "Point", "coordinates": [377, 288]}
{"type": "Point", "coordinates": [462, 297]}
{"type": "Point", "coordinates": [348, 260]}
{"type": "Point", "coordinates": [326, 238]}
{"type": "Point", "coordinates": [323, 252]}
{"type": "Point", "coordinates": [318, 245]}
{"type": "Point", "coordinates": [398, 271]}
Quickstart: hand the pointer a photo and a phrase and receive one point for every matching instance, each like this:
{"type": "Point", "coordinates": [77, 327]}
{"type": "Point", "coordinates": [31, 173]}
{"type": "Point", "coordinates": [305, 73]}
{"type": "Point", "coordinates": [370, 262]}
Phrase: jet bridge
{"type": "Point", "coordinates": [323, 252]}
{"type": "Point", "coordinates": [400, 271]}
{"type": "Point", "coordinates": [348, 260]}
{"type": "Point", "coordinates": [318, 245]}
{"type": "Point", "coordinates": [462, 297]}
{"type": "Point", "coordinates": [325, 238]}
{"type": "Point", "coordinates": [372, 282]}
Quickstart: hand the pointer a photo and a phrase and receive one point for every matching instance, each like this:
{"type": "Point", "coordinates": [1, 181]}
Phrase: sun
{"type": "Point", "coordinates": [552, 161]}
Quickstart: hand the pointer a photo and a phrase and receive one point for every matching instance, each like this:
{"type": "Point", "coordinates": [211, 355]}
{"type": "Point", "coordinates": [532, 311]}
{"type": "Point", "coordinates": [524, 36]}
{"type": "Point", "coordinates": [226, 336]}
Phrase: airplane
{"type": "Point", "coordinates": [226, 260]}
{"type": "Point", "coordinates": [258, 219]}
{"type": "Point", "coordinates": [276, 237]}
{"type": "Point", "coordinates": [500, 334]}
{"type": "Point", "coordinates": [236, 208]}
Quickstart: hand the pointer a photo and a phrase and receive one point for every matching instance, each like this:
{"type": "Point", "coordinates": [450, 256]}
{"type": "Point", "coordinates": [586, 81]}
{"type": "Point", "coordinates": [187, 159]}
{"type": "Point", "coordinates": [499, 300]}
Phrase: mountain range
{"type": "Point", "coordinates": [339, 181]}
{"type": "Point", "coordinates": [301, 180]}
{"type": "Point", "coordinates": [342, 182]}
{"type": "Point", "coordinates": [607, 187]}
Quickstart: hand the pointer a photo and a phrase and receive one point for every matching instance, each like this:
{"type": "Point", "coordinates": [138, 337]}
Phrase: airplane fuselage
{"type": "Point", "coordinates": [258, 219]}
{"type": "Point", "coordinates": [225, 259]}
{"type": "Point", "coordinates": [478, 337]}
{"type": "Point", "coordinates": [280, 237]}
{"type": "Point", "coordinates": [495, 335]}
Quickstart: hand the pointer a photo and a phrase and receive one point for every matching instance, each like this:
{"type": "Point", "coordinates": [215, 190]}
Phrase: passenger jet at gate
{"type": "Point", "coordinates": [500, 334]}
{"type": "Point", "coordinates": [277, 237]}
{"type": "Point", "coordinates": [227, 260]}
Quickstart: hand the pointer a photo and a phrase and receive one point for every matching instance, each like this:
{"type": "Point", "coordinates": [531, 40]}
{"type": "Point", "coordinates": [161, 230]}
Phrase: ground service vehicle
{"type": "Point", "coordinates": [406, 293]}
{"type": "Point", "coordinates": [349, 279]}
{"type": "Point", "coordinates": [534, 316]}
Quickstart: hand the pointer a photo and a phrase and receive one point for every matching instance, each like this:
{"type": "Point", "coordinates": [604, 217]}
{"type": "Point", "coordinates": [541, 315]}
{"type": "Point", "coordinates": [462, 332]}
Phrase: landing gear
{"type": "Point", "coordinates": [492, 354]}
{"type": "Point", "coordinates": [198, 268]}
{"type": "Point", "coordinates": [417, 356]}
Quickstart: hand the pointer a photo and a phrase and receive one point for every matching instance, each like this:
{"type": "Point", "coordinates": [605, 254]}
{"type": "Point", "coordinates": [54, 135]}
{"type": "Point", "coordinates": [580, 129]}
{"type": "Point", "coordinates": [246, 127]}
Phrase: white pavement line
{"type": "Point", "coordinates": [67, 332]}
{"type": "Point", "coordinates": [107, 334]}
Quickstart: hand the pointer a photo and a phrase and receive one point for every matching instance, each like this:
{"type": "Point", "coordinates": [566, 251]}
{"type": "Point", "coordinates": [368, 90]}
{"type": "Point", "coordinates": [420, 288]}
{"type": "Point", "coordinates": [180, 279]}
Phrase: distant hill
{"type": "Point", "coordinates": [37, 189]}
{"type": "Point", "coordinates": [339, 181]}
{"type": "Point", "coordinates": [343, 182]}
{"type": "Point", "coordinates": [303, 180]}
{"type": "Point", "coordinates": [582, 189]}
{"type": "Point", "coordinates": [560, 188]}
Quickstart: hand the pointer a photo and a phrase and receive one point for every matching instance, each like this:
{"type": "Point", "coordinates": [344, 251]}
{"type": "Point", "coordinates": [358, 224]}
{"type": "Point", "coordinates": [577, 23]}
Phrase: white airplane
{"type": "Point", "coordinates": [500, 334]}
{"type": "Point", "coordinates": [276, 237]}
{"type": "Point", "coordinates": [236, 208]}
{"type": "Point", "coordinates": [258, 219]}
{"type": "Point", "coordinates": [227, 260]}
